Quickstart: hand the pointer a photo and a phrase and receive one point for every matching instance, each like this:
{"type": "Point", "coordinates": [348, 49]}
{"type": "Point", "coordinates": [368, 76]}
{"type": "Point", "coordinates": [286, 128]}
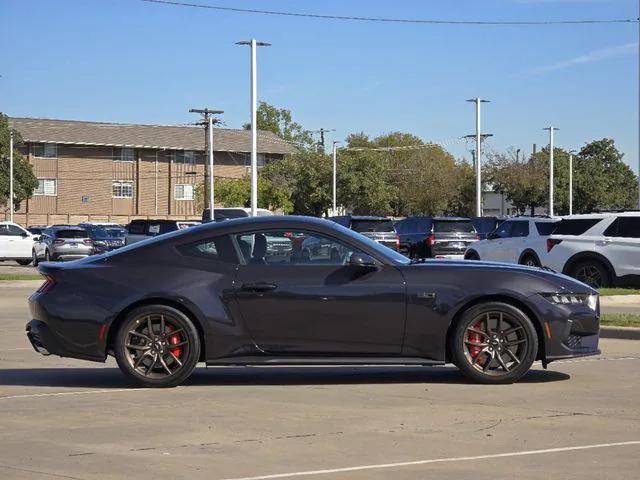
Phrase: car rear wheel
{"type": "Point", "coordinates": [471, 256]}
{"type": "Point", "coordinates": [493, 343]}
{"type": "Point", "coordinates": [157, 346]}
{"type": "Point", "coordinates": [34, 258]}
{"type": "Point", "coordinates": [591, 272]}
{"type": "Point", "coordinates": [47, 256]}
{"type": "Point", "coordinates": [24, 262]}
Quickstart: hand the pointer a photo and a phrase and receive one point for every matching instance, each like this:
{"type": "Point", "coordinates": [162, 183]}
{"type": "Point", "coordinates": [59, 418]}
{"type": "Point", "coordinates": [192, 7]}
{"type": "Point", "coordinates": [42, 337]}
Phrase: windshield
{"type": "Point", "coordinates": [382, 225]}
{"type": "Point", "coordinates": [451, 226]}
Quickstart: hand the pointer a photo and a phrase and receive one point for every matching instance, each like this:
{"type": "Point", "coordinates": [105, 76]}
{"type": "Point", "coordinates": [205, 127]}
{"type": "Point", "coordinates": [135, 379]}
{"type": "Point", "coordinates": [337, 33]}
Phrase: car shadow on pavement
{"type": "Point", "coordinates": [104, 378]}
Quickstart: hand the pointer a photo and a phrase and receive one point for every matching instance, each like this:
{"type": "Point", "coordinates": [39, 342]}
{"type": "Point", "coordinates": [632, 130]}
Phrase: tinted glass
{"type": "Point", "coordinates": [292, 248]}
{"type": "Point", "coordinates": [422, 225]}
{"type": "Point", "coordinates": [136, 228]}
{"type": "Point", "coordinates": [7, 230]}
{"type": "Point", "coordinates": [485, 224]}
{"type": "Point", "coordinates": [115, 232]}
{"type": "Point", "coordinates": [503, 231]}
{"type": "Point", "coordinates": [545, 228]}
{"type": "Point", "coordinates": [372, 225]}
{"type": "Point", "coordinates": [575, 226]}
{"type": "Point", "coordinates": [95, 231]}
{"type": "Point", "coordinates": [220, 249]}
{"type": "Point", "coordinates": [71, 234]}
{"type": "Point", "coordinates": [520, 229]}
{"type": "Point", "coordinates": [628, 227]}
{"type": "Point", "coordinates": [450, 226]}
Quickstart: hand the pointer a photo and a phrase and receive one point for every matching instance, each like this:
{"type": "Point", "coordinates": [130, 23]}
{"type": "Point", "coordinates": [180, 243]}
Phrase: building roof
{"type": "Point", "coordinates": [168, 137]}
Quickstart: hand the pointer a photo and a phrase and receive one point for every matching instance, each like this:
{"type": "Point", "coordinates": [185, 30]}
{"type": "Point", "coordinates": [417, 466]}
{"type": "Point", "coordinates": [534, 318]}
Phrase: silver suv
{"type": "Point", "coordinates": [62, 242]}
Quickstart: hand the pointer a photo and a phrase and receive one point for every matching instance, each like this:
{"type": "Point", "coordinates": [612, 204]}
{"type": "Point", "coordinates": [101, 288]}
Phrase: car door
{"type": "Point", "coordinates": [317, 304]}
{"type": "Point", "coordinates": [621, 245]}
{"type": "Point", "coordinates": [4, 240]}
{"type": "Point", "coordinates": [494, 249]}
{"type": "Point", "coordinates": [513, 246]}
{"type": "Point", "coordinates": [17, 242]}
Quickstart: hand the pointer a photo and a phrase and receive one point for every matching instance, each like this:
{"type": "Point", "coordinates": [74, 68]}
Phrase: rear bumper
{"type": "Point", "coordinates": [69, 256]}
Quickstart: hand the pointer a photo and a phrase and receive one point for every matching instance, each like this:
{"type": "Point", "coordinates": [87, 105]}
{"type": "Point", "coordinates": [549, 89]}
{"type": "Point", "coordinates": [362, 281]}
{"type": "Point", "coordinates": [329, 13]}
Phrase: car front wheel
{"type": "Point", "coordinates": [24, 262]}
{"type": "Point", "coordinates": [157, 346]}
{"type": "Point", "coordinates": [34, 258]}
{"type": "Point", "coordinates": [471, 256]}
{"type": "Point", "coordinates": [493, 343]}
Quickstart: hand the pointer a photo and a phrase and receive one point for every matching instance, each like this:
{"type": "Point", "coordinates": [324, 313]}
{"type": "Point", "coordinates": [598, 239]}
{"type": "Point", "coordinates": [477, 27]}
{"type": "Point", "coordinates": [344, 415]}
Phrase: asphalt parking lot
{"type": "Point", "coordinates": [69, 419]}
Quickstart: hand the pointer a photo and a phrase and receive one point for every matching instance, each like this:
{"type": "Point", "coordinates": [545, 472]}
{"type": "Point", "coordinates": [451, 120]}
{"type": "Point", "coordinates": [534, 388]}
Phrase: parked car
{"type": "Point", "coordinates": [114, 230]}
{"type": "Point", "coordinates": [485, 225]}
{"type": "Point", "coordinates": [598, 249]}
{"type": "Point", "coordinates": [200, 298]}
{"type": "Point", "coordinates": [62, 242]}
{"type": "Point", "coordinates": [142, 229]}
{"type": "Point", "coordinates": [435, 237]}
{"type": "Point", "coordinates": [379, 229]}
{"type": "Point", "coordinates": [16, 243]}
{"type": "Point", "coordinates": [228, 213]}
{"type": "Point", "coordinates": [103, 241]}
{"type": "Point", "coordinates": [517, 240]}
{"type": "Point", "coordinates": [36, 230]}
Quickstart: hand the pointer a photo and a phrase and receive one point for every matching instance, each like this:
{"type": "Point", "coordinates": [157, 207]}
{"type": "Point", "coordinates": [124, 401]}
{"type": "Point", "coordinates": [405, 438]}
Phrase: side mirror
{"type": "Point", "coordinates": [361, 260]}
{"type": "Point", "coordinates": [491, 236]}
{"type": "Point", "coordinates": [24, 234]}
{"type": "Point", "coordinates": [37, 238]}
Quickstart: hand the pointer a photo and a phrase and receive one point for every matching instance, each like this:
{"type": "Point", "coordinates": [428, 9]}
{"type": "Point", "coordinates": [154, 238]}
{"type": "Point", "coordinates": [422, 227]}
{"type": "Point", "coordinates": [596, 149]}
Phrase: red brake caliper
{"type": "Point", "coordinates": [475, 338]}
{"type": "Point", "coordinates": [174, 340]}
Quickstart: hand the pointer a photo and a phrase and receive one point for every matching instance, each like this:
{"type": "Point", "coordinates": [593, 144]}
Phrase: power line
{"type": "Point", "coordinates": [394, 20]}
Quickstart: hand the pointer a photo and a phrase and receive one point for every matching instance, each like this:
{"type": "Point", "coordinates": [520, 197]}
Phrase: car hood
{"type": "Point", "coordinates": [556, 282]}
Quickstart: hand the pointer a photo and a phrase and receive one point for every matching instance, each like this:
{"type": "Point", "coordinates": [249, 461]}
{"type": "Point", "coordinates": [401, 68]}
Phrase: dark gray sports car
{"type": "Point", "coordinates": [222, 293]}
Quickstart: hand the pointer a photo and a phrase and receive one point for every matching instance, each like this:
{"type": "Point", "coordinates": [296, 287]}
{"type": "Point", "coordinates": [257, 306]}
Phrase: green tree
{"type": "Point", "coordinates": [24, 180]}
{"type": "Point", "coordinates": [280, 122]}
{"type": "Point", "coordinates": [237, 193]}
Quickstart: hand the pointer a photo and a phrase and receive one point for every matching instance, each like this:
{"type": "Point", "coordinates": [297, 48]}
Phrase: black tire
{"type": "Point", "coordinates": [472, 255]}
{"type": "Point", "coordinates": [592, 272]}
{"type": "Point", "coordinates": [47, 256]}
{"type": "Point", "coordinates": [130, 361]}
{"type": "Point", "coordinates": [530, 260]}
{"type": "Point", "coordinates": [522, 343]}
{"type": "Point", "coordinates": [24, 262]}
{"type": "Point", "coordinates": [34, 258]}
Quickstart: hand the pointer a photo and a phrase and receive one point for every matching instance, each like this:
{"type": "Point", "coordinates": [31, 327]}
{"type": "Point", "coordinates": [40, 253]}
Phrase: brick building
{"type": "Point", "coordinates": [90, 171]}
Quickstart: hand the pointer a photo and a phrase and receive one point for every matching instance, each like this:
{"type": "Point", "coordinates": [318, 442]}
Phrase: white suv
{"type": "Point", "coordinates": [597, 249]}
{"type": "Point", "coordinates": [516, 240]}
{"type": "Point", "coordinates": [16, 243]}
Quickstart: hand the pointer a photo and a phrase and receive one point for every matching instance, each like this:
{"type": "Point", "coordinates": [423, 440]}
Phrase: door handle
{"type": "Point", "coordinates": [258, 287]}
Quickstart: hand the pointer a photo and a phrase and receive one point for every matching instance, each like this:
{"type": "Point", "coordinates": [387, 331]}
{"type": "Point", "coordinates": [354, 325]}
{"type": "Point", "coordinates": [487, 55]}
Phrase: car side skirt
{"type": "Point", "coordinates": [323, 360]}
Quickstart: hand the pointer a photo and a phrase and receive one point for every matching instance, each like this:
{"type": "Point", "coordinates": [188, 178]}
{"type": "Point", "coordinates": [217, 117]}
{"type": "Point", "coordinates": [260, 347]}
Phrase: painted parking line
{"type": "Point", "coordinates": [82, 392]}
{"type": "Point", "coordinates": [436, 460]}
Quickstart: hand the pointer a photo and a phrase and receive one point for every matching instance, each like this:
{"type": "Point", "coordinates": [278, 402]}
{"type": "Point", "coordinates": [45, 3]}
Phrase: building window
{"type": "Point", "coordinates": [47, 187]}
{"type": "Point", "coordinates": [45, 150]}
{"type": "Point", "coordinates": [184, 192]}
{"type": "Point", "coordinates": [187, 157]}
{"type": "Point", "coordinates": [122, 189]}
{"type": "Point", "coordinates": [247, 159]}
{"type": "Point", "coordinates": [124, 154]}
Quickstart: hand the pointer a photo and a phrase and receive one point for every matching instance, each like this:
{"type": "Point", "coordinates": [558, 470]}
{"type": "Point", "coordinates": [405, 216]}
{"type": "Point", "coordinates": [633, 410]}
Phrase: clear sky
{"type": "Point", "coordinates": [129, 61]}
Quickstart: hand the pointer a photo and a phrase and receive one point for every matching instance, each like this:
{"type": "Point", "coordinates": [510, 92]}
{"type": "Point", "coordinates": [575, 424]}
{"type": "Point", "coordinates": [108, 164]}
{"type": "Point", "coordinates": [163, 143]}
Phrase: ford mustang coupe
{"type": "Point", "coordinates": [245, 292]}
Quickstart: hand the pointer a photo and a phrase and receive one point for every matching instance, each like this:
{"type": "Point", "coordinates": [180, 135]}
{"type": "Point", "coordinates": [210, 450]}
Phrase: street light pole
{"type": "Point", "coordinates": [571, 152]}
{"type": "Point", "coordinates": [254, 120]}
{"type": "Point", "coordinates": [11, 176]}
{"type": "Point", "coordinates": [478, 102]}
{"type": "Point", "coordinates": [335, 166]}
{"type": "Point", "coordinates": [551, 182]}
{"type": "Point", "coordinates": [211, 183]}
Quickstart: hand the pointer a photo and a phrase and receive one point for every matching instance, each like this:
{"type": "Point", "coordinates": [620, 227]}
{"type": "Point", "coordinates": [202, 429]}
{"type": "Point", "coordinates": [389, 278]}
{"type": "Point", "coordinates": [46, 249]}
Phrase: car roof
{"type": "Point", "coordinates": [360, 217]}
{"type": "Point", "coordinates": [452, 219]}
{"type": "Point", "coordinates": [67, 227]}
{"type": "Point", "coordinates": [535, 219]}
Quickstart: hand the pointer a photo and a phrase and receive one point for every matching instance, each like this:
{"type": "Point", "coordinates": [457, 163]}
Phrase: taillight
{"type": "Point", "coordinates": [477, 237]}
{"type": "Point", "coordinates": [552, 242]}
{"type": "Point", "coordinates": [430, 240]}
{"type": "Point", "coordinates": [397, 242]}
{"type": "Point", "coordinates": [48, 284]}
{"type": "Point", "coordinates": [87, 241]}
{"type": "Point", "coordinates": [58, 242]}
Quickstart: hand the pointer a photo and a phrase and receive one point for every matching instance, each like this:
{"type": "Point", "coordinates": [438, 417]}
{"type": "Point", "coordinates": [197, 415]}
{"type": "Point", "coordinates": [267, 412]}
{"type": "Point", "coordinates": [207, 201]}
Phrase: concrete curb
{"type": "Point", "coordinates": [21, 283]}
{"type": "Point", "coordinates": [614, 300]}
{"type": "Point", "coordinates": [624, 333]}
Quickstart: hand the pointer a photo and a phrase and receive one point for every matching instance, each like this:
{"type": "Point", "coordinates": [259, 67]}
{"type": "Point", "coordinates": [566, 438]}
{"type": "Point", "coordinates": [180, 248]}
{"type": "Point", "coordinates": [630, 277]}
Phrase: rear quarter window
{"type": "Point", "coordinates": [575, 226]}
{"type": "Point", "coordinates": [219, 249]}
{"type": "Point", "coordinates": [545, 228]}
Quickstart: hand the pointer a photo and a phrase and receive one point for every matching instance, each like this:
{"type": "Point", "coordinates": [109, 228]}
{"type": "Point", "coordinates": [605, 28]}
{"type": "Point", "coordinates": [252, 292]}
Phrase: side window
{"type": "Point", "coordinates": [545, 228]}
{"type": "Point", "coordinates": [575, 226]}
{"type": "Point", "coordinates": [291, 248]}
{"type": "Point", "coordinates": [10, 230]}
{"type": "Point", "coordinates": [628, 227]}
{"type": "Point", "coordinates": [520, 229]}
{"type": "Point", "coordinates": [219, 249]}
{"type": "Point", "coordinates": [504, 230]}
{"type": "Point", "coordinates": [136, 228]}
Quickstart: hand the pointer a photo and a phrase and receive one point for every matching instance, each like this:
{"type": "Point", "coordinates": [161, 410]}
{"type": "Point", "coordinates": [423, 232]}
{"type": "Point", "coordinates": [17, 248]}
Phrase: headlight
{"type": "Point", "coordinates": [588, 300]}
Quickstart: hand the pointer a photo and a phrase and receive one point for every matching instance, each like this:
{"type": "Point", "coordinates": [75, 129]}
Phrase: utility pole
{"type": "Point", "coordinates": [571, 152]}
{"type": "Point", "coordinates": [639, 111]}
{"type": "Point", "coordinates": [322, 131]}
{"type": "Point", "coordinates": [207, 122]}
{"type": "Point", "coordinates": [11, 176]}
{"type": "Point", "coordinates": [335, 167]}
{"type": "Point", "coordinates": [254, 120]}
{"type": "Point", "coordinates": [551, 130]}
{"type": "Point", "coordinates": [478, 102]}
